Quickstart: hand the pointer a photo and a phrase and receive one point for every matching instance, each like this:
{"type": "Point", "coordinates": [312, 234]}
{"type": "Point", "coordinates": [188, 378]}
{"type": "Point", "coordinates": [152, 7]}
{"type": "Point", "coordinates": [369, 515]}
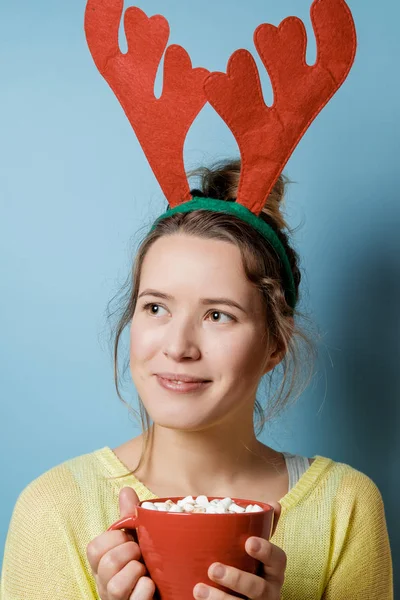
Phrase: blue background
{"type": "Point", "coordinates": [76, 189]}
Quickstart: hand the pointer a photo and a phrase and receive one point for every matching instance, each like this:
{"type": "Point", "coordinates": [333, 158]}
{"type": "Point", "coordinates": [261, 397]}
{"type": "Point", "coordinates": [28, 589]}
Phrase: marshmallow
{"type": "Point", "coordinates": [236, 508]}
{"type": "Point", "coordinates": [162, 506]}
{"type": "Point", "coordinates": [149, 505]}
{"type": "Point", "coordinates": [199, 509]}
{"type": "Point", "coordinates": [202, 500]}
{"type": "Point", "coordinates": [175, 509]}
{"type": "Point", "coordinates": [187, 500]}
{"type": "Point", "coordinates": [226, 502]}
{"type": "Point", "coordinates": [202, 505]}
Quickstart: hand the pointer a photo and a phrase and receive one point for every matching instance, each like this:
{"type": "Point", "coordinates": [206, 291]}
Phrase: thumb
{"type": "Point", "coordinates": [128, 500]}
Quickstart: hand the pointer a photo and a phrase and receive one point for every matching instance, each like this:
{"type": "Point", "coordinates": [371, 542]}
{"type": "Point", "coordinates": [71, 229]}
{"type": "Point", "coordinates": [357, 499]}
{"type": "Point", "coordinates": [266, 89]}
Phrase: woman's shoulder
{"type": "Point", "coordinates": [339, 480]}
{"type": "Point", "coordinates": [67, 475]}
{"type": "Point", "coordinates": [58, 514]}
{"type": "Point", "coordinates": [69, 484]}
{"type": "Point", "coordinates": [329, 482]}
{"type": "Point", "coordinates": [341, 495]}
{"type": "Point", "coordinates": [76, 494]}
{"type": "Point", "coordinates": [351, 476]}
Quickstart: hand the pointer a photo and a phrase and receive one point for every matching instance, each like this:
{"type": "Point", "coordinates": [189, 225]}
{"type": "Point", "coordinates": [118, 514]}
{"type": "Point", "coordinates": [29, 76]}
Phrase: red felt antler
{"type": "Point", "coordinates": [160, 124]}
{"type": "Point", "coordinates": [266, 135]}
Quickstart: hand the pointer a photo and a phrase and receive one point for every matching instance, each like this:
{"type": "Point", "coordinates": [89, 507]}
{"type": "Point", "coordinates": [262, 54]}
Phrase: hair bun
{"type": "Point", "coordinates": [222, 181]}
{"type": "Point", "coordinates": [197, 193]}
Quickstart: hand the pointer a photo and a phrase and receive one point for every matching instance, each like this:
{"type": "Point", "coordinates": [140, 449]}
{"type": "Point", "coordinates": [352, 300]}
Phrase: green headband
{"type": "Point", "coordinates": [243, 213]}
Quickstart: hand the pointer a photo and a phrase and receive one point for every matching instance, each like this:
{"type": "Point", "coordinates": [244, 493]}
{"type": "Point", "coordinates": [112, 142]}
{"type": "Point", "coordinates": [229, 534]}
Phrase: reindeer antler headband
{"type": "Point", "coordinates": [266, 135]}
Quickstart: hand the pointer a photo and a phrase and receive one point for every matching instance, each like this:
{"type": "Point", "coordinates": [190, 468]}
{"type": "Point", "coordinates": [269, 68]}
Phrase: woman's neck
{"type": "Point", "coordinates": [204, 462]}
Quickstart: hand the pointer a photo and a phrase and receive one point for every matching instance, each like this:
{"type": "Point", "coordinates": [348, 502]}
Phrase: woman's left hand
{"type": "Point", "coordinates": [254, 587]}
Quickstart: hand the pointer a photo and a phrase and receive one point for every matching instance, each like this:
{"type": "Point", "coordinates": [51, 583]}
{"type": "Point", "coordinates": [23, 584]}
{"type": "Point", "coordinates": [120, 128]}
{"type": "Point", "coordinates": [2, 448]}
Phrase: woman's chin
{"type": "Point", "coordinates": [180, 420]}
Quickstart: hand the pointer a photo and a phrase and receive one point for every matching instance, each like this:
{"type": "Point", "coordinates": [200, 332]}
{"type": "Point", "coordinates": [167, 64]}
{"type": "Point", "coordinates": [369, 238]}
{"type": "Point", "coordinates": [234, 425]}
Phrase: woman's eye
{"type": "Point", "coordinates": [215, 314]}
{"type": "Point", "coordinates": [153, 309]}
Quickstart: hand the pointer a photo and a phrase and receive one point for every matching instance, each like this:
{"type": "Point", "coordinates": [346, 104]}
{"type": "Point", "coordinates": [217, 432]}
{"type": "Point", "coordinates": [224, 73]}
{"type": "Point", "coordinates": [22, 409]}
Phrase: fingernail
{"type": "Point", "coordinates": [218, 571]}
{"type": "Point", "coordinates": [255, 545]}
{"type": "Point", "coordinates": [201, 591]}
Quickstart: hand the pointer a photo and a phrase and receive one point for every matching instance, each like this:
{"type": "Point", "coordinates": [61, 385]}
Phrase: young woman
{"type": "Point", "coordinates": [211, 310]}
{"type": "Point", "coordinates": [208, 318]}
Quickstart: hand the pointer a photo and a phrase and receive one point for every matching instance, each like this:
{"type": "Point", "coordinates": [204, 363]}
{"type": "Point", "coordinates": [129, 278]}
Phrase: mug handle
{"type": "Point", "coordinates": [129, 522]}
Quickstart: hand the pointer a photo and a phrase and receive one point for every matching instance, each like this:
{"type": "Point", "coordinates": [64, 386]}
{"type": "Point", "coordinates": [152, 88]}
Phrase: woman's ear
{"type": "Point", "coordinates": [277, 353]}
{"type": "Point", "coordinates": [273, 359]}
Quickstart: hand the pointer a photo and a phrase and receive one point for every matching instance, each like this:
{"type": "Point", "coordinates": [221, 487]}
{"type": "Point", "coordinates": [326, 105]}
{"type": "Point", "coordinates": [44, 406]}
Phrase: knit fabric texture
{"type": "Point", "coordinates": [332, 529]}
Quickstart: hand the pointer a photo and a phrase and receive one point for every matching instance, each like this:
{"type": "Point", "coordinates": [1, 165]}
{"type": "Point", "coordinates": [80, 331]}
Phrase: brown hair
{"type": "Point", "coordinates": [262, 268]}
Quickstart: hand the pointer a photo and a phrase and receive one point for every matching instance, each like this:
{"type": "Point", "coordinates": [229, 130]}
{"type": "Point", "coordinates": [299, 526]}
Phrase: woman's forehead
{"type": "Point", "coordinates": [187, 261]}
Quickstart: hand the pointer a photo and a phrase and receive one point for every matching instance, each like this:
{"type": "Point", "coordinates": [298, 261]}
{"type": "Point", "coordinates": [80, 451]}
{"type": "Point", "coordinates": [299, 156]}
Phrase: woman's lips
{"type": "Point", "coordinates": [182, 388]}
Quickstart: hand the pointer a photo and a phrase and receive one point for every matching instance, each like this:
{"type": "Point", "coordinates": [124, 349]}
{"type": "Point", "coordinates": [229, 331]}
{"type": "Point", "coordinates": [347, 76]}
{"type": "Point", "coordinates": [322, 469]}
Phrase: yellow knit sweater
{"type": "Point", "coordinates": [332, 528]}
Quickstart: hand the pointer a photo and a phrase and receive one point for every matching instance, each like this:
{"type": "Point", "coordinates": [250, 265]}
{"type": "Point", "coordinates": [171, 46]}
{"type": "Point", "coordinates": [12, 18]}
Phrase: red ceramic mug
{"type": "Point", "coordinates": [178, 548]}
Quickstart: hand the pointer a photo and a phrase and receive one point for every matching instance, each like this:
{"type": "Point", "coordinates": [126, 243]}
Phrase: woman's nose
{"type": "Point", "coordinates": [180, 342]}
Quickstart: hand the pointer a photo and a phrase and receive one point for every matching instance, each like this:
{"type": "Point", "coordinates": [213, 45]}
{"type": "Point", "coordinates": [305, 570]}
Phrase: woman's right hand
{"type": "Point", "coordinates": [114, 559]}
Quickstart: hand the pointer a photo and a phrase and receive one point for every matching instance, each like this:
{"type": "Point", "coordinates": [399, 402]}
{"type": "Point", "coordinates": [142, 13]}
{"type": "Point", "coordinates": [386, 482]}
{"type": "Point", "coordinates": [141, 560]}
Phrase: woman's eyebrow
{"type": "Point", "coordinates": [205, 301]}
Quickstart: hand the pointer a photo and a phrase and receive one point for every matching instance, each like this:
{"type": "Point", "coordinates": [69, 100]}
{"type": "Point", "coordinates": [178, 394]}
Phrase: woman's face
{"type": "Point", "coordinates": [183, 324]}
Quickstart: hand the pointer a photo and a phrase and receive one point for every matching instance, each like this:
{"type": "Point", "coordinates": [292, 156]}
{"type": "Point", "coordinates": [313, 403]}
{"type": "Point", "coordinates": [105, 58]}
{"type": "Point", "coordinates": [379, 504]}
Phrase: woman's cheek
{"type": "Point", "coordinates": [144, 341]}
{"type": "Point", "coordinates": [236, 346]}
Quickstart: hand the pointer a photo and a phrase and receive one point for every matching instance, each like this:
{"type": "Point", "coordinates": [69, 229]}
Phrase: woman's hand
{"type": "Point", "coordinates": [254, 587]}
{"type": "Point", "coordinates": [114, 558]}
